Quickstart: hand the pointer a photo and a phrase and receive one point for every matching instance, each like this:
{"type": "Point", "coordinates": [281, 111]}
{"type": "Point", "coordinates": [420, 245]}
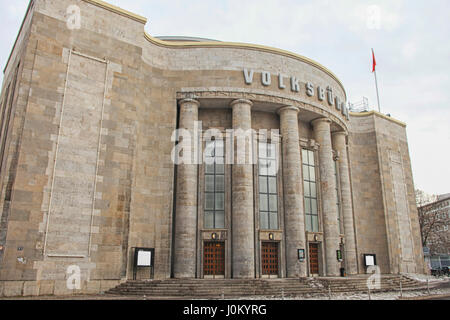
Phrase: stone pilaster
{"type": "Point", "coordinates": [293, 191]}
{"type": "Point", "coordinates": [322, 135]}
{"type": "Point", "coordinates": [186, 200]}
{"type": "Point", "coordinates": [243, 248]}
{"type": "Point", "coordinates": [339, 143]}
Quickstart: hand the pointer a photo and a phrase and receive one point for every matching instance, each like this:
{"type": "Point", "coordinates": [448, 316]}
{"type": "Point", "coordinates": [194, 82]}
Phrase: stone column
{"type": "Point", "coordinates": [186, 200]}
{"type": "Point", "coordinates": [339, 143]}
{"type": "Point", "coordinates": [293, 191]}
{"type": "Point", "coordinates": [243, 248]}
{"type": "Point", "coordinates": [322, 135]}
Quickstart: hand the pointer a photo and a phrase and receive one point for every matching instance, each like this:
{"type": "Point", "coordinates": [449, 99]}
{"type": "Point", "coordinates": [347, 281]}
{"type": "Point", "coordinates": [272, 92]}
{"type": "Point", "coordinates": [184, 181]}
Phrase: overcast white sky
{"type": "Point", "coordinates": [411, 40]}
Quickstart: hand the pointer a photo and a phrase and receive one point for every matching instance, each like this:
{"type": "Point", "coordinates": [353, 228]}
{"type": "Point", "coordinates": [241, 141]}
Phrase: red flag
{"type": "Point", "coordinates": [374, 61]}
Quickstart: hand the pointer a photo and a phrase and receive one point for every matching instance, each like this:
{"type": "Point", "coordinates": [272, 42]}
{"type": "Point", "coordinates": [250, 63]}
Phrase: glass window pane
{"type": "Point", "coordinates": [306, 189]}
{"type": "Point", "coordinates": [307, 206]}
{"type": "Point", "coordinates": [209, 168]}
{"type": "Point", "coordinates": [209, 219]}
{"type": "Point", "coordinates": [273, 203]}
{"type": "Point", "coordinates": [305, 172]}
{"type": "Point", "coordinates": [273, 223]}
{"type": "Point", "coordinates": [263, 205]}
{"type": "Point", "coordinates": [311, 157]}
{"type": "Point", "coordinates": [262, 150]}
{"type": "Point", "coordinates": [220, 220]}
{"type": "Point", "coordinates": [263, 167]}
{"type": "Point", "coordinates": [313, 187]}
{"type": "Point", "coordinates": [220, 183]}
{"type": "Point", "coordinates": [209, 201]}
{"type": "Point", "coordinates": [272, 168]}
{"type": "Point", "coordinates": [263, 184]}
{"type": "Point", "coordinates": [272, 185]}
{"type": "Point", "coordinates": [220, 201]}
{"type": "Point", "coordinates": [219, 160]}
{"type": "Point", "coordinates": [314, 206]}
{"type": "Point", "coordinates": [271, 151]}
{"type": "Point", "coordinates": [312, 173]}
{"type": "Point", "coordinates": [264, 220]}
{"type": "Point", "coordinates": [308, 223]}
{"type": "Point", "coordinates": [209, 149]}
{"type": "Point", "coordinates": [209, 183]}
{"type": "Point", "coordinates": [315, 224]}
{"type": "Point", "coordinates": [219, 152]}
{"type": "Point", "coordinates": [220, 169]}
{"type": "Point", "coordinates": [304, 156]}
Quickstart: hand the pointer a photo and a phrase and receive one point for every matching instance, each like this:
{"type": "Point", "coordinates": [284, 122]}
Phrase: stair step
{"type": "Point", "coordinates": [257, 287]}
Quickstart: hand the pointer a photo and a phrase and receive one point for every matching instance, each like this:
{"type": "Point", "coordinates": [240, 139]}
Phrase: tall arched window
{"type": "Point", "coordinates": [214, 213]}
{"type": "Point", "coordinates": [310, 191]}
{"type": "Point", "coordinates": [268, 188]}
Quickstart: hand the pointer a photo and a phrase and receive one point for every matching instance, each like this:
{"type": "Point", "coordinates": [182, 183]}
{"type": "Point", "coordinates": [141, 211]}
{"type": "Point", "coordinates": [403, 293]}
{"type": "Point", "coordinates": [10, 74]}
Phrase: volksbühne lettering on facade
{"type": "Point", "coordinates": [266, 80]}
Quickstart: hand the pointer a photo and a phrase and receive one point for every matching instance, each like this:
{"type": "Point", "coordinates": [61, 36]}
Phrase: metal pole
{"type": "Point", "coordinates": [376, 85]}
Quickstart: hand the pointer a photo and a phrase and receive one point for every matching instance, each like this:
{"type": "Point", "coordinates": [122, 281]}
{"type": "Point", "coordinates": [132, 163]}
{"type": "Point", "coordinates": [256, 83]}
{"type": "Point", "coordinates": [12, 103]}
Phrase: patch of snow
{"type": "Point", "coordinates": [424, 277]}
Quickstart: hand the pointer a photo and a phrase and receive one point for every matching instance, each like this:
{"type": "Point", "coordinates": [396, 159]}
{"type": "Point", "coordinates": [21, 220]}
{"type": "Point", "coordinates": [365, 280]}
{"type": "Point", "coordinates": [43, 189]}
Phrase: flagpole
{"type": "Point", "coordinates": [376, 84]}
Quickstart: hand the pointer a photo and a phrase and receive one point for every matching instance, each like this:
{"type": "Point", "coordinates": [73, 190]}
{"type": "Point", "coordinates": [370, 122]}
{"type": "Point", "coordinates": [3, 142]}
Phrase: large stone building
{"type": "Point", "coordinates": [89, 106]}
{"type": "Point", "coordinates": [434, 219]}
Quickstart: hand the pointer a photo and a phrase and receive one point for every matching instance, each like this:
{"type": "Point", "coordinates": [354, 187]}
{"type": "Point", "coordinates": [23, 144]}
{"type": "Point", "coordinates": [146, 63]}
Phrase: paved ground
{"type": "Point", "coordinates": [440, 291]}
{"type": "Point", "coordinates": [436, 294]}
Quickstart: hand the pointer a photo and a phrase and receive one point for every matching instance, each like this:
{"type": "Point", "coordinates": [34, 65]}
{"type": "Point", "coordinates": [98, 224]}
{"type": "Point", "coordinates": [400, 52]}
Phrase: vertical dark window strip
{"type": "Point", "coordinates": [338, 200]}
{"type": "Point", "coordinates": [5, 126]}
{"type": "Point", "coordinates": [4, 107]}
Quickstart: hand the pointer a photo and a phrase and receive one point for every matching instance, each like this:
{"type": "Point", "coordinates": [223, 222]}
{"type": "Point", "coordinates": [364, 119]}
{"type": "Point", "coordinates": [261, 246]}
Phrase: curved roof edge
{"type": "Point", "coordinates": [115, 9]}
{"type": "Point", "coordinates": [376, 113]}
{"type": "Point", "coordinates": [213, 44]}
{"type": "Point", "coordinates": [248, 46]}
{"type": "Point", "coordinates": [184, 39]}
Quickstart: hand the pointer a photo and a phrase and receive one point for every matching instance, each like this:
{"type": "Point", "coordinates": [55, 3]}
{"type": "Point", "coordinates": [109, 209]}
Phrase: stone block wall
{"type": "Point", "coordinates": [88, 176]}
{"type": "Point", "coordinates": [386, 220]}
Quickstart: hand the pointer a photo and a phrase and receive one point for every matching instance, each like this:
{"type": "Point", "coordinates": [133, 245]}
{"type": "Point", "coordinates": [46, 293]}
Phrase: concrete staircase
{"type": "Point", "coordinates": [359, 284]}
{"type": "Point", "coordinates": [276, 288]}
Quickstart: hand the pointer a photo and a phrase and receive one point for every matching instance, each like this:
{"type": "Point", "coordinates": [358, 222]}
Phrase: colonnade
{"type": "Point", "coordinates": [242, 231]}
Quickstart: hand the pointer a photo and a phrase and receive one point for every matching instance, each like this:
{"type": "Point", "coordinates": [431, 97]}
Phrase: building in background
{"type": "Point", "coordinates": [434, 220]}
{"type": "Point", "coordinates": [89, 106]}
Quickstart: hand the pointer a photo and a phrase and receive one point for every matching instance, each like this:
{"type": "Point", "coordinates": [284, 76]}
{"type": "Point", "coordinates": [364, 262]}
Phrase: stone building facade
{"type": "Point", "coordinates": [434, 218]}
{"type": "Point", "coordinates": [89, 106]}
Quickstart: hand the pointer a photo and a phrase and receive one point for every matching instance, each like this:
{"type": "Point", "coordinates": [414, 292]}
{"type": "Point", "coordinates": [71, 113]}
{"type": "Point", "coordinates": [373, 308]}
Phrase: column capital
{"type": "Point", "coordinates": [320, 120]}
{"type": "Point", "coordinates": [241, 101]}
{"type": "Point", "coordinates": [339, 139]}
{"type": "Point", "coordinates": [294, 108]}
{"type": "Point", "coordinates": [192, 101]}
{"type": "Point", "coordinates": [339, 133]}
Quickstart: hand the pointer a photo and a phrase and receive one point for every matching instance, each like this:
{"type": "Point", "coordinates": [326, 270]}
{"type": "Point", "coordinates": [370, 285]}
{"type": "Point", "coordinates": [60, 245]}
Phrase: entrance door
{"type": "Point", "coordinates": [269, 256]}
{"type": "Point", "coordinates": [214, 259]}
{"type": "Point", "coordinates": [314, 258]}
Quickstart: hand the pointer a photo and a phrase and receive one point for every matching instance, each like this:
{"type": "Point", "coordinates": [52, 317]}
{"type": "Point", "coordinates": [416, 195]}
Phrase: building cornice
{"type": "Point", "coordinates": [378, 114]}
{"type": "Point", "coordinates": [246, 46]}
{"type": "Point", "coordinates": [115, 9]}
{"type": "Point", "coordinates": [213, 44]}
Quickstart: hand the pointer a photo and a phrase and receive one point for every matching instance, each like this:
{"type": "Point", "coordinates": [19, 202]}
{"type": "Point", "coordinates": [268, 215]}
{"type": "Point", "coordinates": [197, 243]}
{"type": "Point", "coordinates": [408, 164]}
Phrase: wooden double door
{"type": "Point", "coordinates": [269, 258]}
{"type": "Point", "coordinates": [314, 258]}
{"type": "Point", "coordinates": [214, 258]}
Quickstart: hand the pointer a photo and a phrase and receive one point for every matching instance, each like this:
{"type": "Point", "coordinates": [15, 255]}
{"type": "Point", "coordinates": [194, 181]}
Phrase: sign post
{"type": "Point", "coordinates": [143, 258]}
